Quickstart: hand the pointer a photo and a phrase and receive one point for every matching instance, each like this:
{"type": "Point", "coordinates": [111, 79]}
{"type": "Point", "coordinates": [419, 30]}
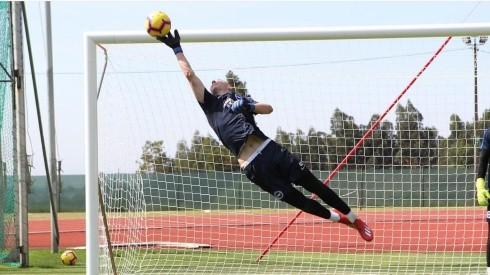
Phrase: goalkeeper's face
{"type": "Point", "coordinates": [219, 87]}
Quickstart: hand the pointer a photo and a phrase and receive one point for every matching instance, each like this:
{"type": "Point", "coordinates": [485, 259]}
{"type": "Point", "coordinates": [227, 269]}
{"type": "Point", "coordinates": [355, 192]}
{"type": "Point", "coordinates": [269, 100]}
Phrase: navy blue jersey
{"type": "Point", "coordinates": [232, 129]}
{"type": "Point", "coordinates": [484, 154]}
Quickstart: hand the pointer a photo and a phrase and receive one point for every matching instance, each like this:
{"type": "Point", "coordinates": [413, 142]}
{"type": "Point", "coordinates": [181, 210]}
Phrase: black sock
{"type": "Point", "coordinates": [315, 186]}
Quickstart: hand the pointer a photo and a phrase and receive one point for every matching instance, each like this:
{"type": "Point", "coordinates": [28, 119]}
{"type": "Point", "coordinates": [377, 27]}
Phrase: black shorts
{"type": "Point", "coordinates": [274, 169]}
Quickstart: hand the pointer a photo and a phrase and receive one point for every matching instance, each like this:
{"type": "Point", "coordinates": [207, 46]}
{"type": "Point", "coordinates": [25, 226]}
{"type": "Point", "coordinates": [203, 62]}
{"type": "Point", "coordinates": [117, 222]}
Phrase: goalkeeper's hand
{"type": "Point", "coordinates": [242, 106]}
{"type": "Point", "coordinates": [482, 193]}
{"type": "Point", "coordinates": [173, 41]}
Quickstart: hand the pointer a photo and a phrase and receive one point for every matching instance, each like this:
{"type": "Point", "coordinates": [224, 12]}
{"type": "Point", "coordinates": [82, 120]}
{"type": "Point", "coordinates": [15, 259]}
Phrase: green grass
{"type": "Point", "coordinates": [212, 262]}
{"type": "Point", "coordinates": [187, 261]}
{"type": "Point", "coordinates": [42, 261]}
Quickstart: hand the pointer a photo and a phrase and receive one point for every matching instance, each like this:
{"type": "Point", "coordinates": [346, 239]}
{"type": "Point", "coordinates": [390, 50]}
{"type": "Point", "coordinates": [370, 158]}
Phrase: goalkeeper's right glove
{"type": "Point", "coordinates": [172, 41]}
{"type": "Point", "coordinates": [482, 193]}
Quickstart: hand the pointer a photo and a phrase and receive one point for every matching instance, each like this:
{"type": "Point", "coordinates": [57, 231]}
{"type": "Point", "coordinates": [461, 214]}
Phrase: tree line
{"type": "Point", "coordinates": [404, 143]}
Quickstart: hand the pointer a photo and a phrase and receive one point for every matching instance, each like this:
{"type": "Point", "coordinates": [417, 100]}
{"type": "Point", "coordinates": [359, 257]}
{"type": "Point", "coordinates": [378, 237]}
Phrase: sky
{"type": "Point", "coordinates": [70, 19]}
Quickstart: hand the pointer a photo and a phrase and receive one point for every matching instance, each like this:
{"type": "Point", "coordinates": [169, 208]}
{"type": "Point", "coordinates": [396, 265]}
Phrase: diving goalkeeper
{"type": "Point", "coordinates": [264, 162]}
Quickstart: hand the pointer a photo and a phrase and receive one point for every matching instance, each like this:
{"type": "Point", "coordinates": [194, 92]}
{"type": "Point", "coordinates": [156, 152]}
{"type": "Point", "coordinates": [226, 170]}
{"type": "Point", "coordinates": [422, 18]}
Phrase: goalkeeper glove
{"type": "Point", "coordinates": [482, 193]}
{"type": "Point", "coordinates": [172, 41]}
{"type": "Point", "coordinates": [241, 106]}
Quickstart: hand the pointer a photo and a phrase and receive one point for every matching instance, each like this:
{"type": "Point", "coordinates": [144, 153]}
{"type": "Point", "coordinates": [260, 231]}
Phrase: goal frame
{"type": "Point", "coordinates": [92, 39]}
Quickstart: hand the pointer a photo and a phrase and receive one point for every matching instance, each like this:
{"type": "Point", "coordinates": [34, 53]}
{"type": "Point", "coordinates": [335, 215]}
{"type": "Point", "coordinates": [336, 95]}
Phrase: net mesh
{"type": "Point", "coordinates": [177, 202]}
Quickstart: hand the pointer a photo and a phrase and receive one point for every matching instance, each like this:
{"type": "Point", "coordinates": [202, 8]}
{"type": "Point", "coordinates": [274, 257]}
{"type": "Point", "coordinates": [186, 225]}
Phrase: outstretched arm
{"type": "Point", "coordinates": [173, 41]}
{"type": "Point", "coordinates": [196, 84]}
{"type": "Point", "coordinates": [245, 106]}
{"type": "Point", "coordinates": [263, 108]}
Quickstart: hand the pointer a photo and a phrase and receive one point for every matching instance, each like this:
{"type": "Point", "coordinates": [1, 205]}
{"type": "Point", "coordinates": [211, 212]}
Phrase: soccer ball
{"type": "Point", "coordinates": [157, 24]}
{"type": "Point", "coordinates": [69, 257]}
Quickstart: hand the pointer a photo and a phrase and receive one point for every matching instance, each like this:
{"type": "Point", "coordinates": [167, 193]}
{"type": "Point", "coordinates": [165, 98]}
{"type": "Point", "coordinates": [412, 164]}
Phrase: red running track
{"type": "Point", "coordinates": [418, 230]}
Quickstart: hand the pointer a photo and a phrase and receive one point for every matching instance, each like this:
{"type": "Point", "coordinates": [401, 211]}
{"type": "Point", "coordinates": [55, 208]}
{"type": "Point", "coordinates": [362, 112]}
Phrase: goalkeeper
{"type": "Point", "coordinates": [482, 193]}
{"type": "Point", "coordinates": [264, 162]}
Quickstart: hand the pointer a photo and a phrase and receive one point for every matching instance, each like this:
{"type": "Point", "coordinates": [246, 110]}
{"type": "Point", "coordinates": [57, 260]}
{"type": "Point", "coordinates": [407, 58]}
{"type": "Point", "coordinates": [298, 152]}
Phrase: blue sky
{"type": "Point", "coordinates": [70, 19]}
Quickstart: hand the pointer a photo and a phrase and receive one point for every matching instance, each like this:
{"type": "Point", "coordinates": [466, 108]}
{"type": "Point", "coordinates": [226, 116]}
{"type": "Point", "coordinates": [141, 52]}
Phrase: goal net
{"type": "Point", "coordinates": [387, 115]}
{"type": "Point", "coordinates": [8, 226]}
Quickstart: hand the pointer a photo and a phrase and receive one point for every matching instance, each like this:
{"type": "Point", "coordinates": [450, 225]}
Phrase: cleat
{"type": "Point", "coordinates": [364, 230]}
{"type": "Point", "coordinates": [343, 219]}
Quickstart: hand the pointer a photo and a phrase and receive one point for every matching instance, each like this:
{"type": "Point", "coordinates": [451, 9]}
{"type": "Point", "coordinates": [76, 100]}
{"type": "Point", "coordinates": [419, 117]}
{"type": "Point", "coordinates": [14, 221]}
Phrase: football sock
{"type": "Point", "coordinates": [334, 216]}
{"type": "Point", "coordinates": [351, 216]}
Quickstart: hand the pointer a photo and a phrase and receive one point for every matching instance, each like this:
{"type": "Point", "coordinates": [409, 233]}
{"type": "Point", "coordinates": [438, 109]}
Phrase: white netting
{"type": "Point", "coordinates": [176, 201]}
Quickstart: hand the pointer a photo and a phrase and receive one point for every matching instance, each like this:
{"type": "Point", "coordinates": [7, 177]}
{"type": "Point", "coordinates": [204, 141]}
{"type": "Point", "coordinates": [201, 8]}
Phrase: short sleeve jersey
{"type": "Point", "coordinates": [232, 129]}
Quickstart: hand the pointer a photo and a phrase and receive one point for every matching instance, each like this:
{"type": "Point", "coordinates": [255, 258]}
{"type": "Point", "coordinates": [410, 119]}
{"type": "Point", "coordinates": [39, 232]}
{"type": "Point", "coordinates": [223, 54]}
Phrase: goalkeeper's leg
{"type": "Point", "coordinates": [300, 201]}
{"type": "Point", "coordinates": [312, 184]}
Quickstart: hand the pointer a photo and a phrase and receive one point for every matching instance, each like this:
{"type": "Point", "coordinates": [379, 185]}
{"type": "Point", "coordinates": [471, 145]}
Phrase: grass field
{"type": "Point", "coordinates": [42, 261]}
{"type": "Point", "coordinates": [314, 263]}
{"type": "Point", "coordinates": [171, 262]}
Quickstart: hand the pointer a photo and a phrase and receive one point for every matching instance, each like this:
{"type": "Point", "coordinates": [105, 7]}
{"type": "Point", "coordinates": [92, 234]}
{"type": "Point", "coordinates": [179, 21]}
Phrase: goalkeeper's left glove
{"type": "Point", "coordinates": [241, 106]}
{"type": "Point", "coordinates": [482, 193]}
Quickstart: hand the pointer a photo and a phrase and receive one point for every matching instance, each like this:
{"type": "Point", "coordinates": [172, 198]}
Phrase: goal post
{"type": "Point", "coordinates": [168, 197]}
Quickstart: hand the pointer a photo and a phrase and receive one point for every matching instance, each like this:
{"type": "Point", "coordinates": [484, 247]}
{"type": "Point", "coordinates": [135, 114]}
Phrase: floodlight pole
{"type": "Point", "coordinates": [474, 42]}
{"type": "Point", "coordinates": [475, 77]}
{"type": "Point", "coordinates": [475, 74]}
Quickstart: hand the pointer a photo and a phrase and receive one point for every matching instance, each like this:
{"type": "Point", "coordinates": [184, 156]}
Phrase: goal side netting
{"type": "Point", "coordinates": [8, 199]}
{"type": "Point", "coordinates": [392, 116]}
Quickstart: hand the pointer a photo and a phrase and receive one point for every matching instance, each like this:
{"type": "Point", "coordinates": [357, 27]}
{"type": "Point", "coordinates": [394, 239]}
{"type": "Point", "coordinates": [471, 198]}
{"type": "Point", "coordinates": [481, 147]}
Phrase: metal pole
{"type": "Point", "coordinates": [475, 127]}
{"type": "Point", "coordinates": [21, 133]}
{"type": "Point", "coordinates": [52, 141]}
{"type": "Point", "coordinates": [91, 158]}
{"type": "Point", "coordinates": [475, 58]}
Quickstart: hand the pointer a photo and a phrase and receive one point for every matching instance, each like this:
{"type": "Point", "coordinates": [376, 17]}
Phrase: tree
{"type": "Point", "coordinates": [417, 145]}
{"type": "Point", "coordinates": [206, 153]}
{"type": "Point", "coordinates": [311, 148]}
{"type": "Point", "coordinates": [407, 142]}
{"type": "Point", "coordinates": [317, 151]}
{"type": "Point", "coordinates": [380, 145]}
{"type": "Point", "coordinates": [182, 157]}
{"type": "Point", "coordinates": [457, 149]}
{"type": "Point", "coordinates": [237, 86]}
{"type": "Point", "coordinates": [346, 134]}
{"type": "Point", "coordinates": [456, 127]}
{"type": "Point", "coordinates": [284, 138]}
{"type": "Point", "coordinates": [154, 158]}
